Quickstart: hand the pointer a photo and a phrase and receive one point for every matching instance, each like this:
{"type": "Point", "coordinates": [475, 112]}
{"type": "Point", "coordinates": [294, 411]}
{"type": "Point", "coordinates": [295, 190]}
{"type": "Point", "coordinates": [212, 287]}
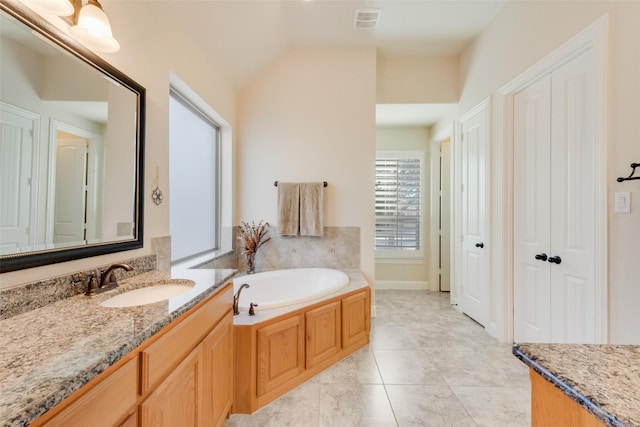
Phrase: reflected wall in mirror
{"type": "Point", "coordinates": [71, 147]}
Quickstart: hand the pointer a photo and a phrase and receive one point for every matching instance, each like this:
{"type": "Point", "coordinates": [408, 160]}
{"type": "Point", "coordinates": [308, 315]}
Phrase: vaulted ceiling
{"type": "Point", "coordinates": [244, 36]}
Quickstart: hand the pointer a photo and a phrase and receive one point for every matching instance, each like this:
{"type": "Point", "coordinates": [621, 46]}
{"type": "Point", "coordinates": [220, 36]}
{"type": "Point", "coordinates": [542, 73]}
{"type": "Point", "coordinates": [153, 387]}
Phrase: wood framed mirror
{"type": "Point", "coordinates": [71, 147]}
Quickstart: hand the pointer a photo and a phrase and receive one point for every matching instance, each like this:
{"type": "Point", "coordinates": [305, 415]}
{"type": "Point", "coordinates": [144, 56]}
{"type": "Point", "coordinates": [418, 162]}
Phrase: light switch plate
{"type": "Point", "coordinates": [623, 202]}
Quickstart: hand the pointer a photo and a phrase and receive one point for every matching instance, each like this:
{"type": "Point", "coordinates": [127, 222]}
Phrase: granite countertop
{"type": "Point", "coordinates": [603, 379]}
{"type": "Point", "coordinates": [49, 352]}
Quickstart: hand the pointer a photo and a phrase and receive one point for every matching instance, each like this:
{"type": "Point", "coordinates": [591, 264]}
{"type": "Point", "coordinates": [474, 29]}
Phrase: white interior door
{"type": "Point", "coordinates": [532, 187]}
{"type": "Point", "coordinates": [554, 204]}
{"type": "Point", "coordinates": [573, 202]}
{"type": "Point", "coordinates": [16, 180]}
{"type": "Point", "coordinates": [474, 137]}
{"type": "Point", "coordinates": [70, 190]}
{"type": "Point", "coordinates": [445, 216]}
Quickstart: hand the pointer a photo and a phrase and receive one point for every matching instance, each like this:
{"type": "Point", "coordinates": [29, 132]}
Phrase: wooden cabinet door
{"type": "Point", "coordinates": [218, 377]}
{"type": "Point", "coordinates": [176, 401]}
{"type": "Point", "coordinates": [552, 408]}
{"type": "Point", "coordinates": [131, 421]}
{"type": "Point", "coordinates": [280, 353]}
{"type": "Point", "coordinates": [356, 319]}
{"type": "Point", "coordinates": [106, 404]}
{"type": "Point", "coordinates": [323, 329]}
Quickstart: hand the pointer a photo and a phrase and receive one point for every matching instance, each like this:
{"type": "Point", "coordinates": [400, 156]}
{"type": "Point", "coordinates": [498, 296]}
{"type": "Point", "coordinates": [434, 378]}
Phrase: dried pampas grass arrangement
{"type": "Point", "coordinates": [252, 238]}
{"type": "Point", "coordinates": [252, 235]}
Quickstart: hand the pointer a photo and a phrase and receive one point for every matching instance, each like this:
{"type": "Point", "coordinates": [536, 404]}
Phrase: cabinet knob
{"type": "Point", "coordinates": [555, 260]}
{"type": "Point", "coordinates": [542, 257]}
{"type": "Point", "coordinates": [480, 245]}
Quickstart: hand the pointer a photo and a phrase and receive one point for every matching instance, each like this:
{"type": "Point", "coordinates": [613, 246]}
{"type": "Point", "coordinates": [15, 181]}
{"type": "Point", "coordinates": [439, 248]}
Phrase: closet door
{"type": "Point", "coordinates": [573, 202]}
{"type": "Point", "coordinates": [532, 212]}
{"type": "Point", "coordinates": [554, 202]}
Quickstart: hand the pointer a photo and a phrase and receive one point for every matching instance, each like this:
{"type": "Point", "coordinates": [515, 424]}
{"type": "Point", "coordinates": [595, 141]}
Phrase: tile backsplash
{"type": "Point", "coordinates": [23, 298]}
{"type": "Point", "coordinates": [338, 248]}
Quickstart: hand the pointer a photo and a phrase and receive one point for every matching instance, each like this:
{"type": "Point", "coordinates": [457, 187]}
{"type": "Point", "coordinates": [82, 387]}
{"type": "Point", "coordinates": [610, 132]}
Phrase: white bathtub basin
{"type": "Point", "coordinates": [148, 295]}
{"type": "Point", "coordinates": [279, 288]}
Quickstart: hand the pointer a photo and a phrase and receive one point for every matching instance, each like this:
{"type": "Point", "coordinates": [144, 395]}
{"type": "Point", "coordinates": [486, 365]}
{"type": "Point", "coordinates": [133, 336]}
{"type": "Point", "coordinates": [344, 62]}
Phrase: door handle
{"type": "Point", "coordinates": [541, 257]}
{"type": "Point", "coordinates": [555, 260]}
{"type": "Point", "coordinates": [480, 245]}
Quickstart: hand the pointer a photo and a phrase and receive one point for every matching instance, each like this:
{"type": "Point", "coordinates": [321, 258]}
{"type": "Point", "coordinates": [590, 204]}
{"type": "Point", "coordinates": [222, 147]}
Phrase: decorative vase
{"type": "Point", "coordinates": [251, 262]}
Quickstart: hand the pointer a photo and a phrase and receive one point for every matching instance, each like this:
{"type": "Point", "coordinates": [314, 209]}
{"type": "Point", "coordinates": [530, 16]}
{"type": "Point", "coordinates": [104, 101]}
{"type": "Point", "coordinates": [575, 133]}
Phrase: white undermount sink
{"type": "Point", "coordinates": [150, 294]}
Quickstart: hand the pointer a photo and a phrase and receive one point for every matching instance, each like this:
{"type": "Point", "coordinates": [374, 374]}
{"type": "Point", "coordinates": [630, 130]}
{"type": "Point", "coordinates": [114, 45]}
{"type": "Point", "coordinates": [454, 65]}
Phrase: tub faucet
{"type": "Point", "coordinates": [108, 280]}
{"type": "Point", "coordinates": [236, 298]}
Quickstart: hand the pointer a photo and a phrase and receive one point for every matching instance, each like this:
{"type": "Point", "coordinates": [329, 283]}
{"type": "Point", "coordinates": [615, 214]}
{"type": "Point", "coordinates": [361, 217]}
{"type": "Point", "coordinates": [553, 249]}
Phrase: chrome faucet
{"type": "Point", "coordinates": [108, 280]}
{"type": "Point", "coordinates": [236, 298]}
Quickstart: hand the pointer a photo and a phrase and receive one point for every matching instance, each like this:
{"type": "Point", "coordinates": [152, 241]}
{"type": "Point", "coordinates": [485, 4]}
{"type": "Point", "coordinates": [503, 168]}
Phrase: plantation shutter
{"type": "Point", "coordinates": [398, 204]}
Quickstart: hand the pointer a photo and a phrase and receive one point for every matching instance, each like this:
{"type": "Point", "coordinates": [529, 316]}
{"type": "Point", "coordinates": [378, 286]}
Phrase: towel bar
{"type": "Point", "coordinates": [324, 183]}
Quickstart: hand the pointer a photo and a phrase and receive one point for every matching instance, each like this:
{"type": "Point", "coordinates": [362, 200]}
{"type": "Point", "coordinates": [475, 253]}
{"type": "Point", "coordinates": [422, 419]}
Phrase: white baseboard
{"type": "Point", "coordinates": [402, 284]}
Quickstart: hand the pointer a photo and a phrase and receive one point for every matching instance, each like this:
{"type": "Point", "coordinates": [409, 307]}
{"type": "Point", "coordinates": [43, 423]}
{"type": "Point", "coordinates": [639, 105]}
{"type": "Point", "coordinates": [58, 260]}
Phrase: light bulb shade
{"type": "Point", "coordinates": [57, 7]}
{"type": "Point", "coordinates": [93, 29]}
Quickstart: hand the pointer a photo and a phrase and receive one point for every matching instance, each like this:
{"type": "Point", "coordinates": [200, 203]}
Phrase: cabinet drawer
{"type": "Point", "coordinates": [105, 404]}
{"type": "Point", "coordinates": [168, 351]}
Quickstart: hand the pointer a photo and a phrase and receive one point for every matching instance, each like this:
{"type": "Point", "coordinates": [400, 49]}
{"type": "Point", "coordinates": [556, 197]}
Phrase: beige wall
{"type": "Point", "coordinates": [311, 117]}
{"type": "Point", "coordinates": [417, 80]}
{"type": "Point", "coordinates": [408, 138]}
{"type": "Point", "coordinates": [521, 36]}
{"type": "Point", "coordinates": [147, 56]}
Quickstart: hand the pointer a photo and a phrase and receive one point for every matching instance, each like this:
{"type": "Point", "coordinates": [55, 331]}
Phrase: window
{"type": "Point", "coordinates": [194, 165]}
{"type": "Point", "coordinates": [399, 203]}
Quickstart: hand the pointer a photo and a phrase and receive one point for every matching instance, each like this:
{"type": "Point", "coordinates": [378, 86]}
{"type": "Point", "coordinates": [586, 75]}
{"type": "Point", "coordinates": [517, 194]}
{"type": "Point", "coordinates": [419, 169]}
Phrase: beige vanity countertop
{"type": "Point", "coordinates": [603, 379]}
{"type": "Point", "coordinates": [48, 353]}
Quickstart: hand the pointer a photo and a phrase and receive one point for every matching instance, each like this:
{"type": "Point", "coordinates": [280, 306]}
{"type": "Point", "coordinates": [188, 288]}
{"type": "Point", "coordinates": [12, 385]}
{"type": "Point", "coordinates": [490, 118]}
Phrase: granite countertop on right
{"type": "Point", "coordinates": [603, 379]}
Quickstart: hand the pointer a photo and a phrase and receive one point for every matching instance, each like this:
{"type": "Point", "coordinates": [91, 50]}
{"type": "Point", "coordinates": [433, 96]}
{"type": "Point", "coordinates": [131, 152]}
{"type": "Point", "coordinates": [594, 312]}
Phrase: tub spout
{"type": "Point", "coordinates": [236, 298]}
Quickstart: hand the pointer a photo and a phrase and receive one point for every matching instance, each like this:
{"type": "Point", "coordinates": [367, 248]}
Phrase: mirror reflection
{"type": "Point", "coordinates": [68, 148]}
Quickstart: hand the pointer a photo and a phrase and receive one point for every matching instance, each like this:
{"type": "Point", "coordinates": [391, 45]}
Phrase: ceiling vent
{"type": "Point", "coordinates": [366, 19]}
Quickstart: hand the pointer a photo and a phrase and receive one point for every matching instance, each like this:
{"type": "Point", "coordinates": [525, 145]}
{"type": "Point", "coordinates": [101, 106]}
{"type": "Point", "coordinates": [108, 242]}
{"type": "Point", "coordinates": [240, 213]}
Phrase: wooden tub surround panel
{"type": "Point", "coordinates": [276, 355]}
{"type": "Point", "coordinates": [323, 333]}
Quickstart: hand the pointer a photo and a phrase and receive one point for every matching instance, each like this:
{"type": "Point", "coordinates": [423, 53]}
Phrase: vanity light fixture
{"type": "Point", "coordinates": [92, 28]}
{"type": "Point", "coordinates": [56, 7]}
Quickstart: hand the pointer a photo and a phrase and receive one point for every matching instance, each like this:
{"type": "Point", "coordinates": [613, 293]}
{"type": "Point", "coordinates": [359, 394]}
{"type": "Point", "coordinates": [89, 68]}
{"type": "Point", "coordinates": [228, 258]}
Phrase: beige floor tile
{"type": "Point", "coordinates": [495, 406]}
{"type": "Point", "coordinates": [299, 407]}
{"type": "Point", "coordinates": [355, 405]}
{"type": "Point", "coordinates": [408, 367]}
{"type": "Point", "coordinates": [357, 368]}
{"type": "Point", "coordinates": [392, 337]}
{"type": "Point", "coordinates": [427, 365]}
{"type": "Point", "coordinates": [433, 406]}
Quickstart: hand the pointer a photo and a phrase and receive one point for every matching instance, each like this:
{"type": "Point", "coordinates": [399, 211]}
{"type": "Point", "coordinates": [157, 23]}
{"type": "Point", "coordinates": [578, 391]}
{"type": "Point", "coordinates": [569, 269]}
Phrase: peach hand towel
{"type": "Point", "coordinates": [311, 209]}
{"type": "Point", "coordinates": [288, 208]}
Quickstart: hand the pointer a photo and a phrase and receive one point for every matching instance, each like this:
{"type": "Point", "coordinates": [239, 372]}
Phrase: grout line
{"type": "Point", "coordinates": [384, 385]}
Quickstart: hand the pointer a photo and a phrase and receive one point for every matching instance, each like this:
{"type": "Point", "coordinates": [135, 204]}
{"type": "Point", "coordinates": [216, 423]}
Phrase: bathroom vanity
{"type": "Point", "coordinates": [74, 362]}
{"type": "Point", "coordinates": [583, 385]}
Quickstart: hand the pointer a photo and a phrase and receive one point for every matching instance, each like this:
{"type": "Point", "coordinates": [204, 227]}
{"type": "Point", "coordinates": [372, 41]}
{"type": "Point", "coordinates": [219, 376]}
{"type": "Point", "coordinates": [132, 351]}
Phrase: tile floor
{"type": "Point", "coordinates": [427, 365]}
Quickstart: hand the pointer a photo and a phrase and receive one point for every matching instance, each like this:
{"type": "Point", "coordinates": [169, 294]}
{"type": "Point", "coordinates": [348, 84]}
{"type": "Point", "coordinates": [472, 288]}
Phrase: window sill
{"type": "Point", "coordinates": [202, 259]}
